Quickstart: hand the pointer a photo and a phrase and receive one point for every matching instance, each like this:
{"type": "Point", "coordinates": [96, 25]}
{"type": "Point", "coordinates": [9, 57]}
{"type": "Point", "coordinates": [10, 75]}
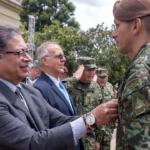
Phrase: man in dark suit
{"type": "Point", "coordinates": [27, 121]}
{"type": "Point", "coordinates": [53, 95]}
{"type": "Point", "coordinates": [52, 61]}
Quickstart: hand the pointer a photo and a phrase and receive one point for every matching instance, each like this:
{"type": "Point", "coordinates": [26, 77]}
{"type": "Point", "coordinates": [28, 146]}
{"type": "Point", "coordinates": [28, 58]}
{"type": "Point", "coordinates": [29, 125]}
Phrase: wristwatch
{"type": "Point", "coordinates": [89, 120]}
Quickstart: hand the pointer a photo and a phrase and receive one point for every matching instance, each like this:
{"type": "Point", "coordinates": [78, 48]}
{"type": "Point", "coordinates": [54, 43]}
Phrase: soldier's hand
{"type": "Point", "coordinates": [97, 146]}
{"type": "Point", "coordinates": [79, 72]}
{"type": "Point", "coordinates": [106, 113]}
{"type": "Point", "coordinates": [95, 78]}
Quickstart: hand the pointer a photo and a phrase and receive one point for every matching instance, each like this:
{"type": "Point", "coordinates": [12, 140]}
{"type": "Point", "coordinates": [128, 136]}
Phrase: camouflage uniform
{"type": "Point", "coordinates": [85, 100]}
{"type": "Point", "coordinates": [107, 93]}
{"type": "Point", "coordinates": [133, 131]}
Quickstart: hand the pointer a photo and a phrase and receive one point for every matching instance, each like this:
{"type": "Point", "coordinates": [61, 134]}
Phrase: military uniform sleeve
{"type": "Point", "coordinates": [134, 108]}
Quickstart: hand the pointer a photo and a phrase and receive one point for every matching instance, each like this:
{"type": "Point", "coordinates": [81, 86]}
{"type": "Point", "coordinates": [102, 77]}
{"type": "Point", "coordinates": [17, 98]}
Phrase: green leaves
{"type": "Point", "coordinates": [55, 22]}
{"type": "Point", "coordinates": [47, 11]}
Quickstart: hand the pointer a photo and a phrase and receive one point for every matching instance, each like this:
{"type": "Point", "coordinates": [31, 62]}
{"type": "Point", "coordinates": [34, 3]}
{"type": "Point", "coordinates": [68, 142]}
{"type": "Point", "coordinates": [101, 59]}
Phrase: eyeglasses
{"type": "Point", "coordinates": [60, 56]}
{"type": "Point", "coordinates": [20, 54]}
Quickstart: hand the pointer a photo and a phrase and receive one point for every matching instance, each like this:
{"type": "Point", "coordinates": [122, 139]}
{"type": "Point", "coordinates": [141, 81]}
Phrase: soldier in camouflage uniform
{"type": "Point", "coordinates": [107, 89]}
{"type": "Point", "coordinates": [86, 95]}
{"type": "Point", "coordinates": [107, 93]}
{"type": "Point", "coordinates": [132, 35]}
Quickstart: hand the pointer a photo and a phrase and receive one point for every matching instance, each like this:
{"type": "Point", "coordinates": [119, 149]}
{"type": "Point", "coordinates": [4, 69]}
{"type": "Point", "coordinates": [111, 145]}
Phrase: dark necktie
{"type": "Point", "coordinates": [18, 93]}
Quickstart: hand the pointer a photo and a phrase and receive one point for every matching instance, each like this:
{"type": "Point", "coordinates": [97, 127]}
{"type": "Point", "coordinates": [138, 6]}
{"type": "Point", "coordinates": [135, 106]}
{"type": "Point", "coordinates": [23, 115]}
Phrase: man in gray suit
{"type": "Point", "coordinates": [27, 122]}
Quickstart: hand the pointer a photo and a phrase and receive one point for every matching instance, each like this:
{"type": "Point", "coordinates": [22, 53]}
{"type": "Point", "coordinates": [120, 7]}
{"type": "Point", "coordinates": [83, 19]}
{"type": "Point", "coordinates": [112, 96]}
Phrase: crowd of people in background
{"type": "Point", "coordinates": [35, 119]}
{"type": "Point", "coordinates": [82, 93]}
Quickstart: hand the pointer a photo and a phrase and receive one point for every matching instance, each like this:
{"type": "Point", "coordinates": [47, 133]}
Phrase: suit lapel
{"type": "Point", "coordinates": [15, 101]}
{"type": "Point", "coordinates": [33, 114]}
{"type": "Point", "coordinates": [57, 91]}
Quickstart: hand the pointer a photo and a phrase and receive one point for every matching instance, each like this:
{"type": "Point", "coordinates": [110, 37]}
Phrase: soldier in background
{"type": "Point", "coordinates": [35, 70]}
{"type": "Point", "coordinates": [105, 86]}
{"type": "Point", "coordinates": [107, 93]}
{"type": "Point", "coordinates": [86, 94]}
{"type": "Point", "coordinates": [132, 36]}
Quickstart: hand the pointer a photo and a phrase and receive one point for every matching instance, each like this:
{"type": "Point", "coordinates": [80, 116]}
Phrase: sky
{"type": "Point", "coordinates": [89, 13]}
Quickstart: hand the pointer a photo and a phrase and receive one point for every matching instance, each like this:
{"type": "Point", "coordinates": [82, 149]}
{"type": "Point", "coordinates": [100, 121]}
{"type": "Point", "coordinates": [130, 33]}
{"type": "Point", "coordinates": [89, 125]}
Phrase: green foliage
{"type": "Point", "coordinates": [23, 32]}
{"type": "Point", "coordinates": [66, 37]}
{"type": "Point", "coordinates": [47, 11]}
{"type": "Point", "coordinates": [96, 43]}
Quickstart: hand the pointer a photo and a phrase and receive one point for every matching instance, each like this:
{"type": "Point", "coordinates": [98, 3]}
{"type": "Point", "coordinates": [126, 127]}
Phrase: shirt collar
{"type": "Point", "coordinates": [10, 85]}
{"type": "Point", "coordinates": [56, 81]}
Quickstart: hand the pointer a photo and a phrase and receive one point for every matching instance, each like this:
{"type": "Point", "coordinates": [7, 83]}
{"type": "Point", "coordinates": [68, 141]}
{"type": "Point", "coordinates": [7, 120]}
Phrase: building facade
{"type": "Point", "coordinates": [9, 12]}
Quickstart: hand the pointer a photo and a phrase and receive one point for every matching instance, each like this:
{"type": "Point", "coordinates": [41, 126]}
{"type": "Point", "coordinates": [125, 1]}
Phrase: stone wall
{"type": "Point", "coordinates": [9, 12]}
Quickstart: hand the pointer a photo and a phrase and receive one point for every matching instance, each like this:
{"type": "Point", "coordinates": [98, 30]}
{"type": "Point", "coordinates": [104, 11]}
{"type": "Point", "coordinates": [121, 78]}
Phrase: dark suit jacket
{"type": "Point", "coordinates": [35, 129]}
{"type": "Point", "coordinates": [54, 97]}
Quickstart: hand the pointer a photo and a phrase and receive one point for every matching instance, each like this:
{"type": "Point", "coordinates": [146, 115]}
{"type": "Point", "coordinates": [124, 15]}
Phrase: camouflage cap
{"type": "Point", "coordinates": [125, 10]}
{"type": "Point", "coordinates": [88, 62]}
{"type": "Point", "coordinates": [101, 72]}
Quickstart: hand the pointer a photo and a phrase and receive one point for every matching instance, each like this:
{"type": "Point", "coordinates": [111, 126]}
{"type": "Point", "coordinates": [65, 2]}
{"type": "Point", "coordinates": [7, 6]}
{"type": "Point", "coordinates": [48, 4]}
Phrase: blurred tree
{"type": "Point", "coordinates": [98, 43]}
{"type": "Point", "coordinates": [24, 33]}
{"type": "Point", "coordinates": [47, 11]}
{"type": "Point", "coordinates": [95, 42]}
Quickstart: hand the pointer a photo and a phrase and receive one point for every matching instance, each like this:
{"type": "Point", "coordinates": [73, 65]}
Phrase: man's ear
{"type": "Point", "coordinates": [137, 25]}
{"type": "Point", "coordinates": [44, 61]}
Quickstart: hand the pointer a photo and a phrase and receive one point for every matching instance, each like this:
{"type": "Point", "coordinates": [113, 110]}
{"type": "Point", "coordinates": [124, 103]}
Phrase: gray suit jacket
{"type": "Point", "coordinates": [35, 129]}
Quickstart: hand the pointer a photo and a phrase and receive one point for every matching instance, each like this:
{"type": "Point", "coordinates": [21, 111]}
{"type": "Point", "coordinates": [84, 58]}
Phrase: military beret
{"type": "Point", "coordinates": [101, 72]}
{"type": "Point", "coordinates": [126, 10]}
{"type": "Point", "coordinates": [88, 62]}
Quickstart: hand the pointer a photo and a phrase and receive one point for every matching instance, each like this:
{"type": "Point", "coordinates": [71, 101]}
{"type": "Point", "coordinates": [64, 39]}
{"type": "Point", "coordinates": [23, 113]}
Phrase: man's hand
{"type": "Point", "coordinates": [95, 78]}
{"type": "Point", "coordinates": [106, 113]}
{"type": "Point", "coordinates": [97, 146]}
{"type": "Point", "coordinates": [79, 72]}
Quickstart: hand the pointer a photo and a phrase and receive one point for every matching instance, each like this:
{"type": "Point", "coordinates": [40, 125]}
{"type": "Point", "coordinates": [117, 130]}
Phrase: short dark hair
{"type": "Point", "coordinates": [7, 33]}
{"type": "Point", "coordinates": [146, 21]}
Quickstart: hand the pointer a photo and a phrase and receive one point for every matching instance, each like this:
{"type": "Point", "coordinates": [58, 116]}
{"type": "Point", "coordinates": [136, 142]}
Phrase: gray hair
{"type": "Point", "coordinates": [6, 34]}
{"type": "Point", "coordinates": [35, 64]}
{"type": "Point", "coordinates": [42, 51]}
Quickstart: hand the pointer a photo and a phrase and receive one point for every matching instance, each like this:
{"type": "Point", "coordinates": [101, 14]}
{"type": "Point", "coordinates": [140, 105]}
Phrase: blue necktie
{"type": "Point", "coordinates": [63, 90]}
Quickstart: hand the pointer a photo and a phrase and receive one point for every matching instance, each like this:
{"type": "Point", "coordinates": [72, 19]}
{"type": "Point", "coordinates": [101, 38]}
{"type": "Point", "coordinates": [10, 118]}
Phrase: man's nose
{"type": "Point", "coordinates": [28, 57]}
